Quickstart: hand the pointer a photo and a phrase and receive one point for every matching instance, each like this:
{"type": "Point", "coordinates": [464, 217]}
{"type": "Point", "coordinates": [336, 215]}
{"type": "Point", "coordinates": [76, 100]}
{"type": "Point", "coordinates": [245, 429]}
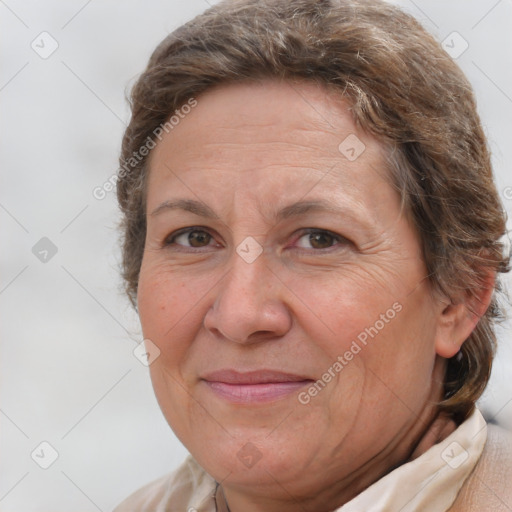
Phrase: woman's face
{"type": "Point", "coordinates": [286, 292]}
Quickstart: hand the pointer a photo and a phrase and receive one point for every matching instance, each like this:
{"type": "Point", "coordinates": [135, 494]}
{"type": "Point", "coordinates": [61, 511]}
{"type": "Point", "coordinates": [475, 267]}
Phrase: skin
{"type": "Point", "coordinates": [247, 151]}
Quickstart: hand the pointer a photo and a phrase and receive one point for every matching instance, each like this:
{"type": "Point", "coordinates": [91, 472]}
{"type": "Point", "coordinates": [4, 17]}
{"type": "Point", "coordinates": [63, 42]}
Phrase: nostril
{"type": "Point", "coordinates": [259, 336]}
{"type": "Point", "coordinates": [254, 337]}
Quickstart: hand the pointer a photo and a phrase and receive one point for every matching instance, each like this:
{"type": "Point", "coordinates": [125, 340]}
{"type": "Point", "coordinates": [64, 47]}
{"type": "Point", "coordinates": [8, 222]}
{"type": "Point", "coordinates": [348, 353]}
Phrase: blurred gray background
{"type": "Point", "coordinates": [68, 374]}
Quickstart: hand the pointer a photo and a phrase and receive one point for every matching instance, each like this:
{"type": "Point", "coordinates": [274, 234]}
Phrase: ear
{"type": "Point", "coordinates": [456, 321]}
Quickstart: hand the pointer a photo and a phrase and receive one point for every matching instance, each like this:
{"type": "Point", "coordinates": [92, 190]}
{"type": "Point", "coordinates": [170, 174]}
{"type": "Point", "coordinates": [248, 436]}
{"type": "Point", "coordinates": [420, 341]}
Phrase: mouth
{"type": "Point", "coordinates": [254, 387]}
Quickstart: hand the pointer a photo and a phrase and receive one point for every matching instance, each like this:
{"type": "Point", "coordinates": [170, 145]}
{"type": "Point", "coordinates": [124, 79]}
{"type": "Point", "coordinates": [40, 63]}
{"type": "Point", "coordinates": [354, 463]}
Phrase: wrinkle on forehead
{"type": "Point", "coordinates": [261, 145]}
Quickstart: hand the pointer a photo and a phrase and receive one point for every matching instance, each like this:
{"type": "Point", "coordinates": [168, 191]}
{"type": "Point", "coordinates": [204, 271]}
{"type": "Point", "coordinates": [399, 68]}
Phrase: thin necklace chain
{"type": "Point", "coordinates": [217, 490]}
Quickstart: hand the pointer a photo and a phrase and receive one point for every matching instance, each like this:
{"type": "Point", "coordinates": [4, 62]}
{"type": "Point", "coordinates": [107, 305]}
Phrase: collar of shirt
{"type": "Point", "coordinates": [430, 482]}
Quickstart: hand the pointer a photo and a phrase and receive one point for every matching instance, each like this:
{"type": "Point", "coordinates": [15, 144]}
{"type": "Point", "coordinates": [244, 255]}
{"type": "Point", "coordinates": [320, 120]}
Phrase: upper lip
{"type": "Point", "coordinates": [252, 377]}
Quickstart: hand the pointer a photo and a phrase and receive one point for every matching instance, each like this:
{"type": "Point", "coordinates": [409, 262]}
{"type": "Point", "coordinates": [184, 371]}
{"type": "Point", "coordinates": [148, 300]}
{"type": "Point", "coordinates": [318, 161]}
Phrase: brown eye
{"type": "Point", "coordinates": [320, 240]}
{"type": "Point", "coordinates": [190, 238]}
{"type": "Point", "coordinates": [198, 238]}
{"type": "Point", "coordinates": [317, 240]}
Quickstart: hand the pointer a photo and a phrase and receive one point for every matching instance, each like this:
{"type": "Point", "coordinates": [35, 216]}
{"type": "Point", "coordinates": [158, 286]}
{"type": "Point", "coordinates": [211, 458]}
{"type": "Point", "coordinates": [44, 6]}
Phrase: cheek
{"type": "Point", "coordinates": [166, 306]}
{"type": "Point", "coordinates": [398, 355]}
{"type": "Point", "coordinates": [169, 310]}
{"type": "Point", "coordinates": [378, 332]}
{"type": "Point", "coordinates": [343, 310]}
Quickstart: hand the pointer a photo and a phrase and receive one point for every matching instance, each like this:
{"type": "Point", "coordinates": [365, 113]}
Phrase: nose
{"type": "Point", "coordinates": [249, 305]}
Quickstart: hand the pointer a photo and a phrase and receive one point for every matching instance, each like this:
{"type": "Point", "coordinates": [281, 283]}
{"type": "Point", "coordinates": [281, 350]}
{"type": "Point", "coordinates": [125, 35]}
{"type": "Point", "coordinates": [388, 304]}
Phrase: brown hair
{"type": "Point", "coordinates": [403, 88]}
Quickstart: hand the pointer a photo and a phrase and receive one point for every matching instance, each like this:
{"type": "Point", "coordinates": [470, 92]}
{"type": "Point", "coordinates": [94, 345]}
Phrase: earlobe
{"type": "Point", "coordinates": [456, 321]}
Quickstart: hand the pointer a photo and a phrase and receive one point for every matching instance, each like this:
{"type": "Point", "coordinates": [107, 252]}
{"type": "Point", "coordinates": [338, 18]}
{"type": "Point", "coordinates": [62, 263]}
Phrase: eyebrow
{"type": "Point", "coordinates": [294, 210]}
{"type": "Point", "coordinates": [303, 207]}
{"type": "Point", "coordinates": [188, 205]}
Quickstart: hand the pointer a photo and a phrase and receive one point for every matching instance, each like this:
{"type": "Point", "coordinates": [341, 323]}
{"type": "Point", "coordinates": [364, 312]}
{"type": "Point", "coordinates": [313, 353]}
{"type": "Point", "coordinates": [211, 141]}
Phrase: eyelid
{"type": "Point", "coordinates": [169, 239]}
{"type": "Point", "coordinates": [338, 238]}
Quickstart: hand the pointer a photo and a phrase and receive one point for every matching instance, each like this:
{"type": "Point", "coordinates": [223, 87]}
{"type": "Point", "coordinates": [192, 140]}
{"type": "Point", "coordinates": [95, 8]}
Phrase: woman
{"type": "Point", "coordinates": [312, 241]}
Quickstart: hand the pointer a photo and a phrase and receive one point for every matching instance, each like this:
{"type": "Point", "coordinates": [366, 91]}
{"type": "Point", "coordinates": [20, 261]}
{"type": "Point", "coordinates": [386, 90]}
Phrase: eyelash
{"type": "Point", "coordinates": [337, 239]}
{"type": "Point", "coordinates": [172, 237]}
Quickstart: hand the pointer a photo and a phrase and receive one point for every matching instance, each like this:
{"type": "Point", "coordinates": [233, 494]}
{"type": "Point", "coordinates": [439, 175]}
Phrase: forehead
{"type": "Point", "coordinates": [268, 139]}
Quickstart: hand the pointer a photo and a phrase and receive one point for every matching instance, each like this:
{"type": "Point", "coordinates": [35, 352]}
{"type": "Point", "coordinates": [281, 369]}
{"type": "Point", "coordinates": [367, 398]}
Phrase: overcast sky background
{"type": "Point", "coordinates": [68, 375]}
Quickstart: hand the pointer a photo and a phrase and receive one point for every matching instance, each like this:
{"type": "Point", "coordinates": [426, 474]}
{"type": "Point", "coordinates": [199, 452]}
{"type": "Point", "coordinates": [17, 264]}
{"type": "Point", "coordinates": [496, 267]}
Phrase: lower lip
{"type": "Point", "coordinates": [255, 393]}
